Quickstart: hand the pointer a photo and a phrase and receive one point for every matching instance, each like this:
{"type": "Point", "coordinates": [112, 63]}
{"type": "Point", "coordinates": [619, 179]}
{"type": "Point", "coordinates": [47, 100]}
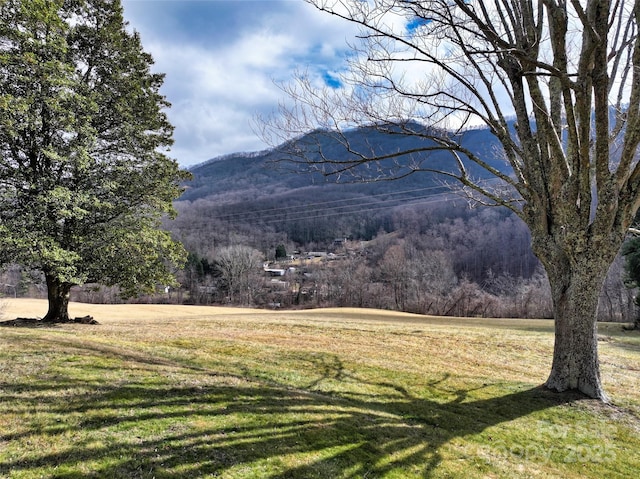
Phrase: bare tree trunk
{"type": "Point", "coordinates": [58, 295]}
{"type": "Point", "coordinates": [575, 356]}
{"type": "Point", "coordinates": [575, 286]}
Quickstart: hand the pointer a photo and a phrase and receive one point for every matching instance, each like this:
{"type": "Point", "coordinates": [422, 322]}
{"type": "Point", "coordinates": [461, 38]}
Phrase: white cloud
{"type": "Point", "coordinates": [222, 60]}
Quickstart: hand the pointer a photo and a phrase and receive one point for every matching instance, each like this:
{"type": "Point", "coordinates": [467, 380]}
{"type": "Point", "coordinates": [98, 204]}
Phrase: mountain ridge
{"type": "Point", "coordinates": [269, 172]}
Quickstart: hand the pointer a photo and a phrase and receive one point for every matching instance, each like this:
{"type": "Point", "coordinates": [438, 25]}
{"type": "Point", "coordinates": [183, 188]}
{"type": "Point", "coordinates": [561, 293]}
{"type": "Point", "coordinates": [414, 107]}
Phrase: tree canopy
{"type": "Point", "coordinates": [85, 178]}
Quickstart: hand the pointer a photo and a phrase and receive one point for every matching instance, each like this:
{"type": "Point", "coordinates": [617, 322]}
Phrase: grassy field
{"type": "Point", "coordinates": [184, 392]}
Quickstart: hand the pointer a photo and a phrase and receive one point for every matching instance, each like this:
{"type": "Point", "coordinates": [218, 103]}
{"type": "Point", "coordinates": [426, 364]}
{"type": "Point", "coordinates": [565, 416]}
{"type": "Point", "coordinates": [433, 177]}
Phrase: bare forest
{"type": "Point", "coordinates": [437, 257]}
{"type": "Point", "coordinates": [442, 258]}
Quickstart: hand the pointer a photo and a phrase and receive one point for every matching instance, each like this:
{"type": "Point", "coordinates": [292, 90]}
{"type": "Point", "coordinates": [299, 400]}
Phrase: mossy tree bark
{"type": "Point", "coordinates": [575, 286]}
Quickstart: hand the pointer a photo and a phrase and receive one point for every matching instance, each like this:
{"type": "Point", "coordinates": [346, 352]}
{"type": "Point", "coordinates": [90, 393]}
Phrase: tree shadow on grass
{"type": "Point", "coordinates": [239, 426]}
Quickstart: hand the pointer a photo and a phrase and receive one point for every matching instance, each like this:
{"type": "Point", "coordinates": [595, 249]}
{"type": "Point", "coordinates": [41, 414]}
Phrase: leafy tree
{"type": "Point", "coordinates": [556, 82]}
{"type": "Point", "coordinates": [281, 251]}
{"type": "Point", "coordinates": [84, 178]}
{"type": "Point", "coordinates": [198, 265]}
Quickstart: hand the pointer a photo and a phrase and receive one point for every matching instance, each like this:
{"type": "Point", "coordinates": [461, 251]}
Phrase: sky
{"type": "Point", "coordinates": [225, 59]}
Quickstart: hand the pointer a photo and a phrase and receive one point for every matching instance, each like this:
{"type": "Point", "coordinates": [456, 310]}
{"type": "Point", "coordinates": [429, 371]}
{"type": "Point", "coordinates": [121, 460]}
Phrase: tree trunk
{"type": "Point", "coordinates": [58, 295]}
{"type": "Point", "coordinates": [575, 284]}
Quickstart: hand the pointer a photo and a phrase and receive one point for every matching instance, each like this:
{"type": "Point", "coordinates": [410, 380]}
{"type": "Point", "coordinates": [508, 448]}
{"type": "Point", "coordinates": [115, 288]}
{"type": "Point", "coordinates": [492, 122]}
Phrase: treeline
{"type": "Point", "coordinates": [439, 256]}
{"type": "Point", "coordinates": [479, 240]}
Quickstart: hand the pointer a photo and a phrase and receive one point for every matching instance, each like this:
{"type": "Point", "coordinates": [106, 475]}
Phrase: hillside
{"type": "Point", "coordinates": [432, 248]}
{"type": "Point", "coordinates": [273, 172]}
{"type": "Point", "coordinates": [272, 192]}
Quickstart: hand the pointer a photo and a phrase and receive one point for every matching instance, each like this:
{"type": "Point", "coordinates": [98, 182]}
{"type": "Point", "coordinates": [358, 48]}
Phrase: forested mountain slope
{"type": "Point", "coordinates": [268, 173]}
{"type": "Point", "coordinates": [411, 244]}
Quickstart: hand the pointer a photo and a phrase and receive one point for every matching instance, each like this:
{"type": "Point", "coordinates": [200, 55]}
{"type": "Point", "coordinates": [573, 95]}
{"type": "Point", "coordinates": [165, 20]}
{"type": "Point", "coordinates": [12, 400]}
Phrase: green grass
{"type": "Point", "coordinates": [311, 394]}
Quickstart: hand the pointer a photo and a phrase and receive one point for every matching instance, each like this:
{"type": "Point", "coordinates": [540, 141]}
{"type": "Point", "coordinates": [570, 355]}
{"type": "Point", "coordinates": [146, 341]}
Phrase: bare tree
{"type": "Point", "coordinates": [238, 265]}
{"type": "Point", "coordinates": [556, 82]}
{"type": "Point", "coordinates": [394, 270]}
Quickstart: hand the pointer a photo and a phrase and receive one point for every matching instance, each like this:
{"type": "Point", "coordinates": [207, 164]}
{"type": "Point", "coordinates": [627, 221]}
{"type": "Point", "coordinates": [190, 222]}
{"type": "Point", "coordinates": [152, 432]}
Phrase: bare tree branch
{"type": "Point", "coordinates": [556, 82]}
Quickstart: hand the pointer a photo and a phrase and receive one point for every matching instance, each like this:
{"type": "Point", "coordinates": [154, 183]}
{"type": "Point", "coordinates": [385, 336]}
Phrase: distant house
{"type": "Point", "coordinates": [275, 271]}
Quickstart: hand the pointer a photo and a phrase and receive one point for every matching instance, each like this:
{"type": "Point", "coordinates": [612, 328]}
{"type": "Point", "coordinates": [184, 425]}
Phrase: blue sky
{"type": "Point", "coordinates": [223, 60]}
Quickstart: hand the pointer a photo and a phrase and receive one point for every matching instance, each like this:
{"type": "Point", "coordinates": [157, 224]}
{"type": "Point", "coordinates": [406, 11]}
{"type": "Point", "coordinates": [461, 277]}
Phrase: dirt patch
{"type": "Point", "coordinates": [23, 322]}
{"type": "Point", "coordinates": [38, 323]}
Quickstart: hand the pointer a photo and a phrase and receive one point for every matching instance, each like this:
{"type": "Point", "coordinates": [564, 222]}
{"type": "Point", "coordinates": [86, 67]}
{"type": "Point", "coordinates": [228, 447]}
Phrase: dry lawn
{"type": "Point", "coordinates": [187, 391]}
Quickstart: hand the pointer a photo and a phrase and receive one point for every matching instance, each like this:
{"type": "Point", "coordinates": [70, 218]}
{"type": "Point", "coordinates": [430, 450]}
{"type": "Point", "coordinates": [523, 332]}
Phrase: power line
{"type": "Point", "coordinates": [347, 206]}
{"type": "Point", "coordinates": [432, 199]}
{"type": "Point", "coordinates": [327, 204]}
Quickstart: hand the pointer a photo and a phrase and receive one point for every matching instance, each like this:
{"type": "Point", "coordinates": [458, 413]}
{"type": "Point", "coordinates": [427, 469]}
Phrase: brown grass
{"type": "Point", "coordinates": [187, 391]}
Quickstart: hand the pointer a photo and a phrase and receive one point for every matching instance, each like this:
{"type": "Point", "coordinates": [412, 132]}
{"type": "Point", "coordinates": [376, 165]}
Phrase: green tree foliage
{"type": "Point", "coordinates": [84, 174]}
{"type": "Point", "coordinates": [281, 251]}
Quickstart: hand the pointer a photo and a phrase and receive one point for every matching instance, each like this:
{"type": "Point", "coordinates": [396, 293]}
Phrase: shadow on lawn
{"type": "Point", "coordinates": [176, 432]}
